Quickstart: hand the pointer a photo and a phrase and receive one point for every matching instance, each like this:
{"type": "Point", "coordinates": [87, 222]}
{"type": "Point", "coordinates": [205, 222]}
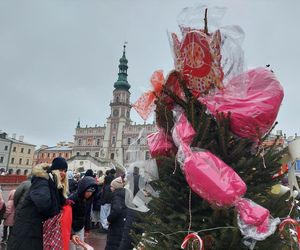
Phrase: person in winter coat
{"type": "Point", "coordinates": [2, 206]}
{"type": "Point", "coordinates": [20, 193]}
{"type": "Point", "coordinates": [105, 201]}
{"type": "Point", "coordinates": [116, 218]}
{"type": "Point", "coordinates": [72, 182]}
{"type": "Point", "coordinates": [88, 210]}
{"type": "Point", "coordinates": [87, 186]}
{"type": "Point", "coordinates": [132, 215]}
{"type": "Point", "coordinates": [45, 199]}
{"type": "Point", "coordinates": [8, 216]}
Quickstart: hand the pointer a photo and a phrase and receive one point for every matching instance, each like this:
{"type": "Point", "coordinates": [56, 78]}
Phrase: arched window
{"type": "Point", "coordinates": [112, 156]}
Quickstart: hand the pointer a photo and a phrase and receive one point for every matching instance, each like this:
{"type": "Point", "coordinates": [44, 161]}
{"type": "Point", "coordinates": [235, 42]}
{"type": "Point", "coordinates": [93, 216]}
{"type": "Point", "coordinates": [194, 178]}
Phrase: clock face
{"type": "Point", "coordinates": [116, 112]}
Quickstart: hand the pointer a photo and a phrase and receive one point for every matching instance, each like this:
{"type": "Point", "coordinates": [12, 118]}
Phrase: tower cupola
{"type": "Point", "coordinates": [122, 82]}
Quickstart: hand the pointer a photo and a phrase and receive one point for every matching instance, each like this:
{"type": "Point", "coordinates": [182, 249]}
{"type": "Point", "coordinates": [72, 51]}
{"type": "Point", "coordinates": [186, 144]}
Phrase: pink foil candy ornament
{"type": "Point", "coordinates": [160, 144]}
{"type": "Point", "coordinates": [209, 177]}
{"type": "Point", "coordinates": [183, 131]}
{"type": "Point", "coordinates": [253, 114]}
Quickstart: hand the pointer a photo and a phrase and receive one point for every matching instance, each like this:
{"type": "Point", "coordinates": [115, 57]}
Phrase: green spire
{"type": "Point", "coordinates": [78, 124]}
{"type": "Point", "coordinates": [122, 82]}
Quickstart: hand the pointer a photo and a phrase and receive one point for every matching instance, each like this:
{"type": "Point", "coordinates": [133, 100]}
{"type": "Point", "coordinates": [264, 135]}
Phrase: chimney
{"type": "Point", "coordinates": [14, 135]}
{"type": "Point", "coordinates": [21, 138]}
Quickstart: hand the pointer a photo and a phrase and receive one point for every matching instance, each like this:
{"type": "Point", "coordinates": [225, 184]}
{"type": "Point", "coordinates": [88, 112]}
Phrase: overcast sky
{"type": "Point", "coordinates": [59, 58]}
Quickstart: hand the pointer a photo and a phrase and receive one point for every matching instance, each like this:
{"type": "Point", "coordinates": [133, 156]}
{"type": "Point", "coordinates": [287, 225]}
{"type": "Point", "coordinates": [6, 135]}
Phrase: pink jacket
{"type": "Point", "coordinates": [9, 216]}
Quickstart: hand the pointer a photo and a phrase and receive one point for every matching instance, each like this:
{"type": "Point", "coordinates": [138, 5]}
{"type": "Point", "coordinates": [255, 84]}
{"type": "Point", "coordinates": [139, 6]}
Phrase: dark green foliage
{"type": "Point", "coordinates": [168, 220]}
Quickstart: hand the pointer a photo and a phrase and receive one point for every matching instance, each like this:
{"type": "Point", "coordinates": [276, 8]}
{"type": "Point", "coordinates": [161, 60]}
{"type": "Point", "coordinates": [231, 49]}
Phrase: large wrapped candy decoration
{"type": "Point", "coordinates": [160, 143]}
{"type": "Point", "coordinates": [198, 57]}
{"type": "Point", "coordinates": [254, 111]}
{"type": "Point", "coordinates": [216, 182]}
{"type": "Point", "coordinates": [183, 132]}
{"type": "Point", "coordinates": [209, 177]}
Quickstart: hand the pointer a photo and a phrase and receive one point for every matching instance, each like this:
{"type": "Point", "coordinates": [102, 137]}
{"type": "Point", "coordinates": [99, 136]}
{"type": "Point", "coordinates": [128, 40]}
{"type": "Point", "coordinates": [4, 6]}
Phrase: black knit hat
{"type": "Point", "coordinates": [59, 163]}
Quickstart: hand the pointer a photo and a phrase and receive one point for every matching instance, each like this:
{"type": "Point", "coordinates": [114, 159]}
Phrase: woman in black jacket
{"type": "Point", "coordinates": [45, 199]}
{"type": "Point", "coordinates": [116, 218]}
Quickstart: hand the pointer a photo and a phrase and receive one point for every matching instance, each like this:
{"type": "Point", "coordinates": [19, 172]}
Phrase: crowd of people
{"type": "Point", "coordinates": [79, 203]}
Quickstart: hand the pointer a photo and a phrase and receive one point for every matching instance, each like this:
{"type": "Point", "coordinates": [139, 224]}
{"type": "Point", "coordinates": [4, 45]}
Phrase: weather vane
{"type": "Point", "coordinates": [125, 45]}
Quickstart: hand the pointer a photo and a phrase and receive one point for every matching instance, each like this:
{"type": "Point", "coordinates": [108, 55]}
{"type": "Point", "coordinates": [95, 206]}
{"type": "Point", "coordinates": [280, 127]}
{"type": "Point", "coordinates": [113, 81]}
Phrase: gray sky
{"type": "Point", "coordinates": [59, 58]}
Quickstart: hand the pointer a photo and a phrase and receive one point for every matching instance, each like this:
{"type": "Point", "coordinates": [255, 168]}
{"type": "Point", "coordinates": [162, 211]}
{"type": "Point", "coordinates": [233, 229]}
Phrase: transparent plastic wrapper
{"type": "Point", "coordinates": [253, 115]}
{"type": "Point", "coordinates": [161, 144]}
{"type": "Point", "coordinates": [255, 221]}
{"type": "Point", "coordinates": [138, 191]}
{"type": "Point", "coordinates": [134, 152]}
{"type": "Point", "coordinates": [182, 132]}
{"type": "Point", "coordinates": [207, 57]}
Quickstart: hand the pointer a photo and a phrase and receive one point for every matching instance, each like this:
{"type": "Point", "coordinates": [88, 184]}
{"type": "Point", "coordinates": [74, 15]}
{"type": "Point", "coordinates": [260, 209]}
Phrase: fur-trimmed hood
{"type": "Point", "coordinates": [40, 170]}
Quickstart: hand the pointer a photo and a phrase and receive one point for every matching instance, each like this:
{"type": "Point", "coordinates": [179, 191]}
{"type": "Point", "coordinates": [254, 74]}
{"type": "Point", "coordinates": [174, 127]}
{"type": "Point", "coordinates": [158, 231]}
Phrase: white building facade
{"type": "Point", "coordinates": [110, 143]}
{"type": "Point", "coordinates": [5, 146]}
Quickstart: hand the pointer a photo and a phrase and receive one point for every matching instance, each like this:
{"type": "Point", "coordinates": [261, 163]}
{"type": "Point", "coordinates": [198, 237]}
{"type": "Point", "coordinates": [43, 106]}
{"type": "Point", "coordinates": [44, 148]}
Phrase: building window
{"type": "Point", "coordinates": [29, 151]}
{"type": "Point", "coordinates": [112, 156]}
{"type": "Point", "coordinates": [97, 154]}
{"type": "Point", "coordinates": [77, 153]}
{"type": "Point", "coordinates": [59, 154]}
{"type": "Point", "coordinates": [6, 148]}
{"type": "Point", "coordinates": [1, 159]}
{"type": "Point", "coordinates": [87, 153]}
{"type": "Point", "coordinates": [79, 142]}
{"type": "Point", "coordinates": [48, 155]}
{"type": "Point", "coordinates": [14, 149]}
{"type": "Point", "coordinates": [22, 150]}
{"type": "Point", "coordinates": [20, 161]}
{"type": "Point", "coordinates": [27, 162]}
{"type": "Point", "coordinates": [42, 155]}
{"type": "Point", "coordinates": [113, 141]}
{"type": "Point", "coordinates": [147, 155]}
{"type": "Point", "coordinates": [138, 141]}
{"type": "Point", "coordinates": [129, 141]}
{"type": "Point", "coordinates": [89, 141]}
{"type": "Point", "coordinates": [53, 155]}
{"type": "Point", "coordinates": [67, 155]}
{"type": "Point", "coordinates": [98, 142]}
{"type": "Point", "coordinates": [12, 160]}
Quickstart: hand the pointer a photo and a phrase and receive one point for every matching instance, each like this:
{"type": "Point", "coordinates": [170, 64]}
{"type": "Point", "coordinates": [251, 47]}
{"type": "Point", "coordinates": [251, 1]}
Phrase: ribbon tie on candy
{"type": "Point", "coordinates": [195, 237]}
{"type": "Point", "coordinates": [145, 104]}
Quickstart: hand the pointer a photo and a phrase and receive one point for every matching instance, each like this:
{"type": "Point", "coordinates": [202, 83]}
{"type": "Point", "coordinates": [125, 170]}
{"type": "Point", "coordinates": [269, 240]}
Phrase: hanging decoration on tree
{"type": "Point", "coordinates": [198, 58]}
{"type": "Point", "coordinates": [210, 93]}
{"type": "Point", "coordinates": [196, 239]}
{"type": "Point", "coordinates": [213, 180]}
{"type": "Point", "coordinates": [253, 112]}
{"type": "Point", "coordinates": [145, 104]}
{"type": "Point", "coordinates": [292, 228]}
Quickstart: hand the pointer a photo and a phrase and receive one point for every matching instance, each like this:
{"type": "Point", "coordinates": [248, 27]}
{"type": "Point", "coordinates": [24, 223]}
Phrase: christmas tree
{"type": "Point", "coordinates": [229, 134]}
